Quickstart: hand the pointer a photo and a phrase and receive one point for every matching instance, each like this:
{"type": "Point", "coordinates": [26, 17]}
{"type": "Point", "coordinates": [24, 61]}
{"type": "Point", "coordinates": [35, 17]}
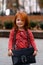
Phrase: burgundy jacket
{"type": "Point", "coordinates": [21, 40]}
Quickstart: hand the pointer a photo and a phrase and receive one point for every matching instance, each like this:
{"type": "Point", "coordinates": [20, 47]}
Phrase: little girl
{"type": "Point", "coordinates": [20, 26]}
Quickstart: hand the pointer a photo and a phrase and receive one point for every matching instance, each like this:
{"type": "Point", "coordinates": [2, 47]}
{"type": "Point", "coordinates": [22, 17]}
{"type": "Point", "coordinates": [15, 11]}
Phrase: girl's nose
{"type": "Point", "coordinates": [19, 21]}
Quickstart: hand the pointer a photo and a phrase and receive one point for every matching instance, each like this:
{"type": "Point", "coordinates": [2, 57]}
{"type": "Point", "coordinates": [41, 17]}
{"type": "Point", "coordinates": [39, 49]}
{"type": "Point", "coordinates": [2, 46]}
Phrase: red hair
{"type": "Point", "coordinates": [24, 17]}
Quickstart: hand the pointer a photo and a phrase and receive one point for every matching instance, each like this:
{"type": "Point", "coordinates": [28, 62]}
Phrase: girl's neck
{"type": "Point", "coordinates": [21, 29]}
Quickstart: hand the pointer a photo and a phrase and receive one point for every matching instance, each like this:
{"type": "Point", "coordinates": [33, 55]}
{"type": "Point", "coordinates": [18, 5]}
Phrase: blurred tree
{"type": "Point", "coordinates": [41, 3]}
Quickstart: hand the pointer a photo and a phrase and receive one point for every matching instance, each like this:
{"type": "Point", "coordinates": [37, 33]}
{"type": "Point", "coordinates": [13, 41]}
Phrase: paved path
{"type": "Point", "coordinates": [5, 60]}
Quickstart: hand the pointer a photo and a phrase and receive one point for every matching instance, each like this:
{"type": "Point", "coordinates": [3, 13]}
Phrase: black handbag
{"type": "Point", "coordinates": [24, 55]}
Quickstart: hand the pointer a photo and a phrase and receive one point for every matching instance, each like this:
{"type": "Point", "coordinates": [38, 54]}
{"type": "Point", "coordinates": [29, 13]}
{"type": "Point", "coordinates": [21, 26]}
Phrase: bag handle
{"type": "Point", "coordinates": [28, 38]}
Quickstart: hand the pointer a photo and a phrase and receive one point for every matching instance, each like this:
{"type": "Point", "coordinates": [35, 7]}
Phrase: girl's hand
{"type": "Point", "coordinates": [10, 53]}
{"type": "Point", "coordinates": [35, 53]}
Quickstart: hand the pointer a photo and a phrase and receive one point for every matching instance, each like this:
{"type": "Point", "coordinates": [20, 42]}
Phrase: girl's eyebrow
{"type": "Point", "coordinates": [18, 19]}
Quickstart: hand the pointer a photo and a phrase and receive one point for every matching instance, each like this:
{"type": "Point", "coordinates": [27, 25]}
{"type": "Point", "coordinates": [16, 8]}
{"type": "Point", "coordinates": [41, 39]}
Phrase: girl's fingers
{"type": "Point", "coordinates": [35, 53]}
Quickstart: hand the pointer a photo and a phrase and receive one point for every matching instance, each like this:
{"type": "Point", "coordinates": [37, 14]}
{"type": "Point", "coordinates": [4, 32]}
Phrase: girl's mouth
{"type": "Point", "coordinates": [19, 23]}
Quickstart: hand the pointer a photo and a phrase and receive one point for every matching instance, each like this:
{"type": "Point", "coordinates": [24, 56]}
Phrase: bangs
{"type": "Point", "coordinates": [22, 15]}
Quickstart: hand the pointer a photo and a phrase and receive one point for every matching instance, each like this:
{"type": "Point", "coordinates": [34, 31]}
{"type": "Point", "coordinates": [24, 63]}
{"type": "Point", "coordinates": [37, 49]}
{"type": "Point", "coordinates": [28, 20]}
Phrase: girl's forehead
{"type": "Point", "coordinates": [20, 17]}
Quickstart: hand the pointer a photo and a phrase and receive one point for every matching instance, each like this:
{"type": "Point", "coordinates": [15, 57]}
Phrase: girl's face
{"type": "Point", "coordinates": [20, 22]}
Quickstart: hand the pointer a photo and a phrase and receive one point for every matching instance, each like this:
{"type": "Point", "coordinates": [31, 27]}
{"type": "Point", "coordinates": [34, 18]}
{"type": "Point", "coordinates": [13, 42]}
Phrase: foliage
{"type": "Point", "coordinates": [33, 24]}
{"type": "Point", "coordinates": [1, 25]}
{"type": "Point", "coordinates": [8, 24]}
{"type": "Point", "coordinates": [41, 25]}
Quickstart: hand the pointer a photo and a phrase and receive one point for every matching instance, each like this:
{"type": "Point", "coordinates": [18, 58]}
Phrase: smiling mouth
{"type": "Point", "coordinates": [19, 24]}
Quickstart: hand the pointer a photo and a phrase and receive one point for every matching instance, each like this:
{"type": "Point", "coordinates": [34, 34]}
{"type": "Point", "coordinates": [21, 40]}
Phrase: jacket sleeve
{"type": "Point", "coordinates": [32, 40]}
{"type": "Point", "coordinates": [10, 42]}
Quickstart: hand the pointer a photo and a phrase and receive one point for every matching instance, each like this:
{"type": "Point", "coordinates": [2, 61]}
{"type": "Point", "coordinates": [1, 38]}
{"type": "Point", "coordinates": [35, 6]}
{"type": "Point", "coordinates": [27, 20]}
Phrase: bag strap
{"type": "Point", "coordinates": [28, 38]}
{"type": "Point", "coordinates": [14, 39]}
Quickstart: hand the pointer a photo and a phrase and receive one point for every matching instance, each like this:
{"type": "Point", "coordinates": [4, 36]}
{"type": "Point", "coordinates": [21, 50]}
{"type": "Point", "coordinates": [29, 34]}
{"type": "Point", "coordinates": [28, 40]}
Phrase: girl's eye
{"type": "Point", "coordinates": [22, 20]}
{"type": "Point", "coordinates": [18, 19]}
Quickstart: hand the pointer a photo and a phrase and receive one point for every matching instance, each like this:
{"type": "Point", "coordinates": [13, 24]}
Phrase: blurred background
{"type": "Point", "coordinates": [10, 7]}
{"type": "Point", "coordinates": [34, 9]}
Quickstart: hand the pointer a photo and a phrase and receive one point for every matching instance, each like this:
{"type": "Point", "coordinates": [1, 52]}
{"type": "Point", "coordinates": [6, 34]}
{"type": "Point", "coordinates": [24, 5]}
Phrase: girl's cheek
{"type": "Point", "coordinates": [16, 21]}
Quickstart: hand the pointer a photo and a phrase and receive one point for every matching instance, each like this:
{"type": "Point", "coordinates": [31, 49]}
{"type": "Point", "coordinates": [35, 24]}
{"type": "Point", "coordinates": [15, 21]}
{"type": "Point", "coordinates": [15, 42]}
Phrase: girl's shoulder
{"type": "Point", "coordinates": [12, 30]}
{"type": "Point", "coordinates": [29, 31]}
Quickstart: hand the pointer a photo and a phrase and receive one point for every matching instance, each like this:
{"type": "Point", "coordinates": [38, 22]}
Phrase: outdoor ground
{"type": "Point", "coordinates": [5, 60]}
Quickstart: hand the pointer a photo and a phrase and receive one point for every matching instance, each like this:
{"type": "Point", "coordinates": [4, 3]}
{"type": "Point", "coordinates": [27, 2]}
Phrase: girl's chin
{"type": "Point", "coordinates": [20, 26]}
